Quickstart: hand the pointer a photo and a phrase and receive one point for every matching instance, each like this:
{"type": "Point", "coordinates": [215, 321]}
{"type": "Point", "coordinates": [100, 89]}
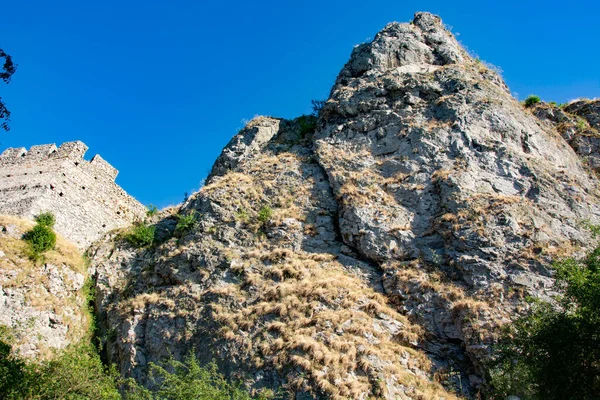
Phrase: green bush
{"type": "Point", "coordinates": [581, 125]}
{"type": "Point", "coordinates": [46, 219]}
{"type": "Point", "coordinates": [140, 235]}
{"type": "Point", "coordinates": [185, 223]}
{"type": "Point", "coordinates": [77, 373]}
{"type": "Point", "coordinates": [265, 214]}
{"type": "Point", "coordinates": [152, 210]}
{"type": "Point", "coordinates": [531, 100]}
{"type": "Point", "coordinates": [307, 124]}
{"type": "Point", "coordinates": [188, 380]}
{"type": "Point", "coordinates": [41, 238]}
{"type": "Point", "coordinates": [554, 352]}
{"type": "Point", "coordinates": [74, 374]}
{"type": "Point", "coordinates": [12, 368]}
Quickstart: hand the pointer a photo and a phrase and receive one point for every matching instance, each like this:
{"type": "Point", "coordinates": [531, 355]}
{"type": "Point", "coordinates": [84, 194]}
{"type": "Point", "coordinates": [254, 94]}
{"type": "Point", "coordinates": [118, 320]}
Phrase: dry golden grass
{"type": "Point", "coordinates": [475, 315]}
{"type": "Point", "coordinates": [301, 311]}
{"type": "Point", "coordinates": [18, 271]}
{"type": "Point", "coordinates": [263, 184]}
{"type": "Point", "coordinates": [441, 175]}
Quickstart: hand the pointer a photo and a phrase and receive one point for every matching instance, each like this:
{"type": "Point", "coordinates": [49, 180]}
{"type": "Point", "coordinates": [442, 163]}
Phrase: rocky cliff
{"type": "Point", "coordinates": [372, 252]}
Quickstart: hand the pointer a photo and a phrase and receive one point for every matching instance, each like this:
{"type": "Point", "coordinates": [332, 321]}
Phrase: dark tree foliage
{"type": "Point", "coordinates": [554, 352]}
{"type": "Point", "coordinates": [8, 69]}
{"type": "Point", "coordinates": [317, 106]}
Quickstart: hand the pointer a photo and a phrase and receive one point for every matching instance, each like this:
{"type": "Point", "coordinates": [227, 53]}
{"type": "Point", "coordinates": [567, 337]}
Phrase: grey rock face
{"type": "Point", "coordinates": [588, 109]}
{"type": "Point", "coordinates": [375, 257]}
{"type": "Point", "coordinates": [277, 301]}
{"type": "Point", "coordinates": [578, 122]}
{"type": "Point", "coordinates": [247, 142]}
{"type": "Point", "coordinates": [436, 168]}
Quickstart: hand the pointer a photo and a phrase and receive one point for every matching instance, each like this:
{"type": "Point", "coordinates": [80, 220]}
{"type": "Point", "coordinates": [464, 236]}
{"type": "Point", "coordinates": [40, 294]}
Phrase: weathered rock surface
{"type": "Point", "coordinates": [42, 307]}
{"type": "Point", "coordinates": [439, 171]}
{"type": "Point", "coordinates": [375, 257]}
{"type": "Point", "coordinates": [279, 302]}
{"type": "Point", "coordinates": [579, 124]}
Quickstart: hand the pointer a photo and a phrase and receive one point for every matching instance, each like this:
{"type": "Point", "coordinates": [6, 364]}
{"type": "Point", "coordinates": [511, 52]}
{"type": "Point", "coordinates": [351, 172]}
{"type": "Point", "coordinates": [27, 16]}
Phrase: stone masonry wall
{"type": "Point", "coordinates": [82, 194]}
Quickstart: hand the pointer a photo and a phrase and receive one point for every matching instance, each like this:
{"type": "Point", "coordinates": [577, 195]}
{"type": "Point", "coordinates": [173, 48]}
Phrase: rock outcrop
{"type": "Point", "coordinates": [374, 252]}
{"type": "Point", "coordinates": [579, 124]}
{"type": "Point", "coordinates": [42, 307]}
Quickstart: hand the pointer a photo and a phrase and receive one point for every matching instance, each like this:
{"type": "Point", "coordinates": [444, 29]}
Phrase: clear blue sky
{"type": "Point", "coordinates": [159, 87]}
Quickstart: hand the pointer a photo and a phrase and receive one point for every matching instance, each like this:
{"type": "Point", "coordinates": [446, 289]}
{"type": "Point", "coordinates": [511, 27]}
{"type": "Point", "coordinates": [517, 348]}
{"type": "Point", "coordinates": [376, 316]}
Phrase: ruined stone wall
{"type": "Point", "coordinates": [82, 194]}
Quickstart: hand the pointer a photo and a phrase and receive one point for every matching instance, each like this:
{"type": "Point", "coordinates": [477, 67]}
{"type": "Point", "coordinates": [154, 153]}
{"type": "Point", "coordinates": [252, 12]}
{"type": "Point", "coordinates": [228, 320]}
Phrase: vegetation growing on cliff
{"type": "Point", "coordinates": [41, 237]}
{"type": "Point", "coordinates": [78, 373]}
{"type": "Point", "coordinates": [554, 353]}
{"type": "Point", "coordinates": [140, 235]}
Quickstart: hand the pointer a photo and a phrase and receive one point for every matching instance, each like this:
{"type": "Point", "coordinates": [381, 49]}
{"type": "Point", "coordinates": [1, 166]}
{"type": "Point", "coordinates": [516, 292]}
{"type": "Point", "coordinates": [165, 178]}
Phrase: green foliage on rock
{"type": "Point", "coordinates": [12, 368]}
{"type": "Point", "coordinates": [75, 373]}
{"type": "Point", "coordinates": [185, 223]}
{"type": "Point", "coordinates": [581, 125]}
{"type": "Point", "coordinates": [265, 214]}
{"type": "Point", "coordinates": [41, 238]}
{"type": "Point", "coordinates": [307, 124]}
{"type": "Point", "coordinates": [46, 219]}
{"type": "Point", "coordinates": [152, 210]}
{"type": "Point", "coordinates": [187, 380]}
{"type": "Point", "coordinates": [554, 352]}
{"type": "Point", "coordinates": [531, 100]}
{"type": "Point", "coordinates": [140, 235]}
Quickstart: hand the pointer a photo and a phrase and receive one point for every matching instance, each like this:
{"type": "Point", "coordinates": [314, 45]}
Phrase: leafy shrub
{"type": "Point", "coordinates": [185, 223]}
{"type": "Point", "coordinates": [141, 235]}
{"type": "Point", "coordinates": [581, 125]}
{"type": "Point", "coordinates": [46, 219]}
{"type": "Point", "coordinates": [189, 380]}
{"type": "Point", "coordinates": [41, 238]}
{"type": "Point", "coordinates": [531, 100]}
{"type": "Point", "coordinates": [12, 368]}
{"type": "Point", "coordinates": [307, 124]}
{"type": "Point", "coordinates": [152, 210]}
{"type": "Point", "coordinates": [554, 353]}
{"type": "Point", "coordinates": [265, 214]}
{"type": "Point", "coordinates": [75, 373]}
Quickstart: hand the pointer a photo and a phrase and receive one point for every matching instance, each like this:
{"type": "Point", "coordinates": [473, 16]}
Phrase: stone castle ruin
{"type": "Point", "coordinates": [82, 194]}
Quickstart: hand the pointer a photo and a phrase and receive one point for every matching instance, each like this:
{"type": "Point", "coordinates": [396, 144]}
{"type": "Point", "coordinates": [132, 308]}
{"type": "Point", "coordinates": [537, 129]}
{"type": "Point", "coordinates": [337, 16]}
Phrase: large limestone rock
{"type": "Point", "coordinates": [442, 176]}
{"type": "Point", "coordinates": [375, 257]}
{"type": "Point", "coordinates": [280, 302]}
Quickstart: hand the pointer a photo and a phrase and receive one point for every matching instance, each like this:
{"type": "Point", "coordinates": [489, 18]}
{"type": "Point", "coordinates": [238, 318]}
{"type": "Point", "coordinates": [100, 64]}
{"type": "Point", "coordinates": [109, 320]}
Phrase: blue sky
{"type": "Point", "coordinates": [159, 87]}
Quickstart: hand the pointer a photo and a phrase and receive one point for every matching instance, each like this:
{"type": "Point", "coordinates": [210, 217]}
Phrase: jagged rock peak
{"type": "Point", "coordinates": [371, 256]}
{"type": "Point", "coordinates": [423, 42]}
